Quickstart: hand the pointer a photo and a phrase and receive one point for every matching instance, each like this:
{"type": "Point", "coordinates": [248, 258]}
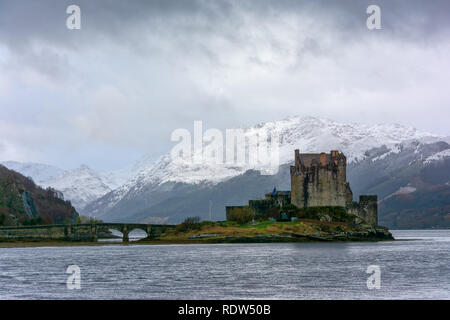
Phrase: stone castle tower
{"type": "Point", "coordinates": [320, 179]}
{"type": "Point", "coordinates": [317, 180]}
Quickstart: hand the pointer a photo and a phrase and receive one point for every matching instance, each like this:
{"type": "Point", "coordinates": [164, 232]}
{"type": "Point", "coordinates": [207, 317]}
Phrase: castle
{"type": "Point", "coordinates": [317, 180]}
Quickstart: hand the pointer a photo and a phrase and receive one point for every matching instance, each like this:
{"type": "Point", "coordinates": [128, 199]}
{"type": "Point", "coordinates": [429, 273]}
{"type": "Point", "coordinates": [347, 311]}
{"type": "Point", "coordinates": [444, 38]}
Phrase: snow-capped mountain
{"type": "Point", "coordinates": [386, 160]}
{"type": "Point", "coordinates": [412, 183]}
{"type": "Point", "coordinates": [117, 178]}
{"type": "Point", "coordinates": [37, 171]}
{"type": "Point", "coordinates": [80, 186]}
{"type": "Point", "coordinates": [308, 134]}
{"type": "Point", "coordinates": [143, 196]}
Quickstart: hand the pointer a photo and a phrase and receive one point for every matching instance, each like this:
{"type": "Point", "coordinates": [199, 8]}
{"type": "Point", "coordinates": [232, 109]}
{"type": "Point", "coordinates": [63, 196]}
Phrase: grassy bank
{"type": "Point", "coordinates": [267, 231]}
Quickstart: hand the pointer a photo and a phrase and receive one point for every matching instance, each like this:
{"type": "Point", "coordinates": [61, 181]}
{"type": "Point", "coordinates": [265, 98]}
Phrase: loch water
{"type": "Point", "coordinates": [416, 266]}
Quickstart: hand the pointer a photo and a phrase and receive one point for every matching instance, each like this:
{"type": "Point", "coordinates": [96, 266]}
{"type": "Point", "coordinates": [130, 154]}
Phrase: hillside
{"type": "Point", "coordinates": [425, 208]}
{"type": "Point", "coordinates": [81, 186]}
{"type": "Point", "coordinates": [381, 160]}
{"type": "Point", "coordinates": [39, 172]}
{"type": "Point", "coordinates": [22, 202]}
{"type": "Point", "coordinates": [412, 184]}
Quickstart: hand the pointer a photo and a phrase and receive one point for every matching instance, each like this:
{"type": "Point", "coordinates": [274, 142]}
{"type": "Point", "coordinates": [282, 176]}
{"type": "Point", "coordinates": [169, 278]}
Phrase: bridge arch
{"type": "Point", "coordinates": [136, 234]}
{"type": "Point", "coordinates": [127, 228]}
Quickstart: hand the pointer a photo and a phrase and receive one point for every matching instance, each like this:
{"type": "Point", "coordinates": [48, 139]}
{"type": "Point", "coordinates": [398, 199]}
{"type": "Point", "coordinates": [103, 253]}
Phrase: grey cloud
{"type": "Point", "coordinates": [193, 27]}
{"type": "Point", "coordinates": [225, 62]}
{"type": "Point", "coordinates": [22, 21]}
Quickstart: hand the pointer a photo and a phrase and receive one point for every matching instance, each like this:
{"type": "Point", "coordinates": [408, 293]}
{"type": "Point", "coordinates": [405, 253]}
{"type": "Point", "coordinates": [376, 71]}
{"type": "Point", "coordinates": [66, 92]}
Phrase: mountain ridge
{"type": "Point", "coordinates": [148, 195]}
{"type": "Point", "coordinates": [165, 190]}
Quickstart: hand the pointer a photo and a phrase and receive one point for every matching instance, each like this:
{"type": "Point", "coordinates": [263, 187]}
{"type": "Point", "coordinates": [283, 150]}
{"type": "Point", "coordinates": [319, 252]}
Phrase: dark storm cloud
{"type": "Point", "coordinates": [191, 24]}
{"type": "Point", "coordinates": [139, 69]}
{"type": "Point", "coordinates": [22, 21]}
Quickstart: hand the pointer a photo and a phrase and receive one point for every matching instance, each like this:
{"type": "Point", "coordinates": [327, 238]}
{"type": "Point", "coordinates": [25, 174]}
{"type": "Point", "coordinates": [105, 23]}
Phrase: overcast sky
{"type": "Point", "coordinates": [115, 90]}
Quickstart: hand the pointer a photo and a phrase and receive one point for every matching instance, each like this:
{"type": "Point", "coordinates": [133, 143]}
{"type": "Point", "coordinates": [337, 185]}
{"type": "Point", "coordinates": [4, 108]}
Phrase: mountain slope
{"type": "Point", "coordinates": [425, 208]}
{"type": "Point", "coordinates": [412, 184]}
{"type": "Point", "coordinates": [37, 171]}
{"type": "Point", "coordinates": [172, 190]}
{"type": "Point", "coordinates": [385, 171]}
{"type": "Point", "coordinates": [80, 186]}
{"type": "Point", "coordinates": [118, 178]}
{"type": "Point", "coordinates": [308, 134]}
{"type": "Point", "coordinates": [21, 201]}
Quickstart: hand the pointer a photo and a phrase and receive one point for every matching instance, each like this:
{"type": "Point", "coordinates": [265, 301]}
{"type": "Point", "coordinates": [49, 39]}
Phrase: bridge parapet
{"type": "Point", "coordinates": [67, 231]}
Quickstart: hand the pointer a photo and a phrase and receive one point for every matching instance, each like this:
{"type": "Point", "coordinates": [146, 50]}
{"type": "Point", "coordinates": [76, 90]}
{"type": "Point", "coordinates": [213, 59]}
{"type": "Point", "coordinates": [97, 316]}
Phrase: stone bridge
{"type": "Point", "coordinates": [68, 231]}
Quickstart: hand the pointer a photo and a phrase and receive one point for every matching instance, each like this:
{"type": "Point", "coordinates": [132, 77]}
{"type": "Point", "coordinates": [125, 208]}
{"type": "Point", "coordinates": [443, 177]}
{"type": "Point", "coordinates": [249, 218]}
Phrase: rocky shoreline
{"type": "Point", "coordinates": [360, 233]}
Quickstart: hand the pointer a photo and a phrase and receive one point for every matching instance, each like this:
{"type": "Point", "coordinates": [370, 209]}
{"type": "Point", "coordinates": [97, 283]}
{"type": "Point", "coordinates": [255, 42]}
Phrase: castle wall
{"type": "Point", "coordinates": [261, 207]}
{"type": "Point", "coordinates": [366, 208]}
{"type": "Point", "coordinates": [233, 210]}
{"type": "Point", "coordinates": [297, 193]}
{"type": "Point", "coordinates": [319, 180]}
{"type": "Point", "coordinates": [279, 199]}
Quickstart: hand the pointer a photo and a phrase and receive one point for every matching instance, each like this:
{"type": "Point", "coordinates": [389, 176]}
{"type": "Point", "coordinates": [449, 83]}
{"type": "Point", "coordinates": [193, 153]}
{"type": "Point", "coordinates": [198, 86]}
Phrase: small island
{"type": "Point", "coordinates": [302, 230]}
{"type": "Point", "coordinates": [319, 207]}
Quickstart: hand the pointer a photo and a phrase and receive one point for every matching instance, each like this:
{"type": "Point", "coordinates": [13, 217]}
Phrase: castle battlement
{"type": "Point", "coordinates": [303, 161]}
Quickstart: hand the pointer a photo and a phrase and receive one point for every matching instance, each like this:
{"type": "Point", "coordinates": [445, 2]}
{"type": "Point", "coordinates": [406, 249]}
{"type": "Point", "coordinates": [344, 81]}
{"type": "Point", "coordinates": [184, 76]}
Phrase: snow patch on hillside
{"type": "Point", "coordinates": [308, 134]}
{"type": "Point", "coordinates": [438, 156]}
{"type": "Point", "coordinates": [80, 186]}
{"type": "Point", "coordinates": [37, 171]}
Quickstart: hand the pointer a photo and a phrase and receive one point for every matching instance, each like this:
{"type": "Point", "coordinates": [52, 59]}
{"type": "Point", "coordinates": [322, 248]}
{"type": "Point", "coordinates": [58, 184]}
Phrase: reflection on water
{"type": "Point", "coordinates": [415, 269]}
